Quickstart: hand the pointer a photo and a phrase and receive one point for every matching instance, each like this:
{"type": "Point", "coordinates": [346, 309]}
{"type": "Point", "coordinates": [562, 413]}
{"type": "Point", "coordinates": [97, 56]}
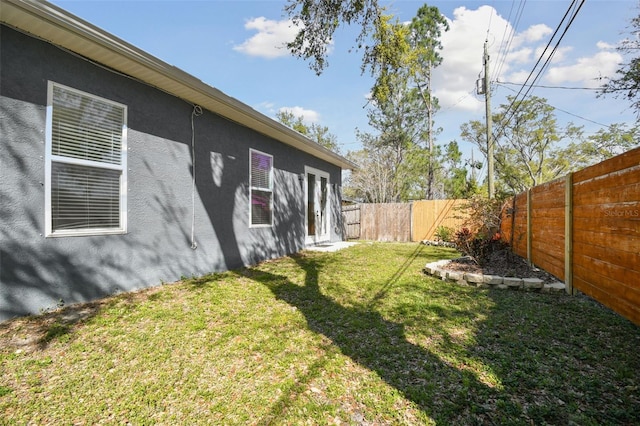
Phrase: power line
{"type": "Point", "coordinates": [506, 47]}
{"type": "Point", "coordinates": [548, 87]}
{"type": "Point", "coordinates": [460, 99]}
{"type": "Point", "coordinates": [565, 111]}
{"type": "Point", "coordinates": [540, 59]}
{"type": "Point", "coordinates": [555, 48]}
{"type": "Point", "coordinates": [513, 107]}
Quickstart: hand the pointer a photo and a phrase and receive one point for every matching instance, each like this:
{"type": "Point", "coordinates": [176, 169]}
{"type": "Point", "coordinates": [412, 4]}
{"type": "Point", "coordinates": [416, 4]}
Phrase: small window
{"type": "Point", "coordinates": [86, 164]}
{"type": "Point", "coordinates": [261, 178]}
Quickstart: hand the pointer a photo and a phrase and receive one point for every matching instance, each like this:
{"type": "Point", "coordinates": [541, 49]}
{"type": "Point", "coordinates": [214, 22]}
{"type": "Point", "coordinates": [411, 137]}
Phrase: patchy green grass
{"type": "Point", "coordinates": [355, 337]}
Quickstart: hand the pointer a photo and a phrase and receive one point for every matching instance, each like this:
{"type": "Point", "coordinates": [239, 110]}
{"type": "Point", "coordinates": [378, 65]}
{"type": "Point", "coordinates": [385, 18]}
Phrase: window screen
{"type": "Point", "coordinates": [86, 164]}
{"type": "Point", "coordinates": [261, 175]}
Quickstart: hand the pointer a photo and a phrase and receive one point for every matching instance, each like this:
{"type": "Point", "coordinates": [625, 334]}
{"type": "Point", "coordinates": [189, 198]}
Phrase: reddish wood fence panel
{"type": "Point", "coordinates": [514, 224]}
{"type": "Point", "coordinates": [428, 215]}
{"type": "Point", "coordinates": [385, 222]}
{"type": "Point", "coordinates": [547, 227]}
{"type": "Point", "coordinates": [604, 225]}
{"type": "Point", "coordinates": [606, 233]}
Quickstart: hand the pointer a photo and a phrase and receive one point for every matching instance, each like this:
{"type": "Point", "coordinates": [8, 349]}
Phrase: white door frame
{"type": "Point", "coordinates": [322, 220]}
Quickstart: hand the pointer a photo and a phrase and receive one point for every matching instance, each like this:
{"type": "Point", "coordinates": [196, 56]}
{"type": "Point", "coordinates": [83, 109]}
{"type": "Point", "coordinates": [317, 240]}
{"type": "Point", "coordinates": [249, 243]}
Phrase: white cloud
{"type": "Point", "coordinates": [559, 55]}
{"type": "Point", "coordinates": [587, 70]}
{"type": "Point", "coordinates": [309, 116]}
{"type": "Point", "coordinates": [603, 45]}
{"type": "Point", "coordinates": [520, 56]}
{"type": "Point", "coordinates": [270, 40]}
{"type": "Point", "coordinates": [458, 99]}
{"type": "Point", "coordinates": [531, 35]}
{"type": "Point", "coordinates": [462, 53]}
{"type": "Point", "coordinates": [267, 107]}
{"type": "Point", "coordinates": [518, 77]}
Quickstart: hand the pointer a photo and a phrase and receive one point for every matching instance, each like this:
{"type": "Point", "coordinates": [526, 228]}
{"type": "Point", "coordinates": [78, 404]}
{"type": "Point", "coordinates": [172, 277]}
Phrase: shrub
{"type": "Point", "coordinates": [476, 246]}
{"type": "Point", "coordinates": [484, 215]}
{"type": "Point", "coordinates": [444, 233]}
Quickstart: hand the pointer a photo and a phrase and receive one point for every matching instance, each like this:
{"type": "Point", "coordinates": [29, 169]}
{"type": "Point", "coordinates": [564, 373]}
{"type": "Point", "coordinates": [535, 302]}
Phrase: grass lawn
{"type": "Point", "coordinates": [358, 337]}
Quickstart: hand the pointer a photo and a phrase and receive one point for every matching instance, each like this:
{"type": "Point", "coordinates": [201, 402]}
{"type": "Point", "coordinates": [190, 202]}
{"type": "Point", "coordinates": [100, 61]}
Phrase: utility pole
{"type": "Point", "coordinates": [487, 103]}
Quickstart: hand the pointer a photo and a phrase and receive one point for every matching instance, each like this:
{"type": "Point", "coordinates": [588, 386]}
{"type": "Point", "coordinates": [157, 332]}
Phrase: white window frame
{"type": "Point", "coordinates": [50, 158]}
{"type": "Point", "coordinates": [257, 188]}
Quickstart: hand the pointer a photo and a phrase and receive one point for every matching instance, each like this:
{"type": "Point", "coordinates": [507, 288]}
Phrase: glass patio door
{"type": "Point", "coordinates": [317, 206]}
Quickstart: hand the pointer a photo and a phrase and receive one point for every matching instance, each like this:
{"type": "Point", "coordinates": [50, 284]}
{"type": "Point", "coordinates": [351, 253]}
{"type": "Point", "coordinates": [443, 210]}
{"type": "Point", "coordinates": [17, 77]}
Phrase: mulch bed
{"type": "Point", "coordinates": [502, 263]}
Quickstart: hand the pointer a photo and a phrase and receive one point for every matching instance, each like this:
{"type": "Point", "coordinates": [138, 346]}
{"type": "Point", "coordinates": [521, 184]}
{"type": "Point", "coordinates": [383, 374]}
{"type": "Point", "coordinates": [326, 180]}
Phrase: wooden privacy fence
{"type": "Point", "coordinates": [351, 221]}
{"type": "Point", "coordinates": [585, 230]}
{"type": "Point", "coordinates": [428, 215]}
{"type": "Point", "coordinates": [385, 222]}
{"type": "Point", "coordinates": [414, 221]}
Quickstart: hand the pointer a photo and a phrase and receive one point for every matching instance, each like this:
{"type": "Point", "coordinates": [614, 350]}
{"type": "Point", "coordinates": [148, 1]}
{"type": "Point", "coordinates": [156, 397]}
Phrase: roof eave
{"type": "Point", "coordinates": [51, 23]}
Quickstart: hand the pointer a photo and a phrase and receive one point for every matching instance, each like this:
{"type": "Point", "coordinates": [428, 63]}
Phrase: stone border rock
{"type": "Point", "coordinates": [438, 243]}
{"type": "Point", "coordinates": [437, 269]}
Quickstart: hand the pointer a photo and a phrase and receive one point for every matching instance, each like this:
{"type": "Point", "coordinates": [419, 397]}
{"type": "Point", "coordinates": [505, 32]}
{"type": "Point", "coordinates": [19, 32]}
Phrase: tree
{"type": "Point", "coordinates": [611, 141]}
{"type": "Point", "coordinates": [392, 163]}
{"type": "Point", "coordinates": [531, 148]}
{"type": "Point", "coordinates": [318, 21]}
{"type": "Point", "coordinates": [401, 61]}
{"type": "Point", "coordinates": [628, 82]}
{"type": "Point", "coordinates": [388, 58]}
{"type": "Point", "coordinates": [425, 31]}
{"type": "Point", "coordinates": [457, 183]}
{"type": "Point", "coordinates": [374, 180]}
{"type": "Point", "coordinates": [528, 143]}
{"type": "Point", "coordinates": [315, 132]}
{"type": "Point", "coordinates": [605, 143]}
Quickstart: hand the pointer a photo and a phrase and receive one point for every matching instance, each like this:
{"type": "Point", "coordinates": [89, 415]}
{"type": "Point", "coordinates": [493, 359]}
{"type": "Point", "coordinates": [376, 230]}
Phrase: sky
{"type": "Point", "coordinates": [237, 47]}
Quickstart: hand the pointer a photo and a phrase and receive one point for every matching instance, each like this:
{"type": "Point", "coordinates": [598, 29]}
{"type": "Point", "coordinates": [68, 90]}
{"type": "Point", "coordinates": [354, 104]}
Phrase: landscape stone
{"type": "Point", "coordinates": [512, 282]}
{"type": "Point", "coordinates": [492, 279]}
{"type": "Point", "coordinates": [530, 283]}
{"type": "Point", "coordinates": [455, 276]}
{"type": "Point", "coordinates": [555, 287]}
{"type": "Point", "coordinates": [474, 278]}
{"type": "Point", "coordinates": [436, 269]}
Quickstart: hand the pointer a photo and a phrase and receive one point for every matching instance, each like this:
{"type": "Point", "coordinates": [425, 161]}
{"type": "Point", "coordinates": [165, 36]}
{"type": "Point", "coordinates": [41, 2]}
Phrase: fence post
{"type": "Point", "coordinates": [568, 233]}
{"type": "Point", "coordinates": [529, 236]}
{"type": "Point", "coordinates": [411, 221]}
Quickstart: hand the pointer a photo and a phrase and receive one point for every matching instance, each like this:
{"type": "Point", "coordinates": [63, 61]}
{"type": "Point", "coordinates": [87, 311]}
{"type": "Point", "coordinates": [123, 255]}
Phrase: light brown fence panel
{"type": "Point", "coordinates": [428, 215]}
{"type": "Point", "coordinates": [606, 233]}
{"type": "Point", "coordinates": [547, 227]}
{"type": "Point", "coordinates": [351, 221]}
{"type": "Point", "coordinates": [385, 222]}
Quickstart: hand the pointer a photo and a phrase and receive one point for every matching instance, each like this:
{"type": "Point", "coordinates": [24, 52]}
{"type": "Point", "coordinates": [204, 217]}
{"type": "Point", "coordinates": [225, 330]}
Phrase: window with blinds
{"type": "Point", "coordinates": [86, 164]}
{"type": "Point", "coordinates": [261, 188]}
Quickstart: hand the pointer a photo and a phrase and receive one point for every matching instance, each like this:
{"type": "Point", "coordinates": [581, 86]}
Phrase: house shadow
{"type": "Point", "coordinates": [361, 333]}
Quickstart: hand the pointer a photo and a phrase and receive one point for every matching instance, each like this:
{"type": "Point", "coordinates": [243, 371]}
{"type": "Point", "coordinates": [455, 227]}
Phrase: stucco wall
{"type": "Point", "coordinates": [37, 272]}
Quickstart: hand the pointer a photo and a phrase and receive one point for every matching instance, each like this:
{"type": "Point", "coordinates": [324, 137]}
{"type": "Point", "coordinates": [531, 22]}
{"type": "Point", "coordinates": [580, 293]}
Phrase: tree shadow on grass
{"type": "Point", "coordinates": [440, 390]}
{"type": "Point", "coordinates": [36, 332]}
{"type": "Point", "coordinates": [563, 359]}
